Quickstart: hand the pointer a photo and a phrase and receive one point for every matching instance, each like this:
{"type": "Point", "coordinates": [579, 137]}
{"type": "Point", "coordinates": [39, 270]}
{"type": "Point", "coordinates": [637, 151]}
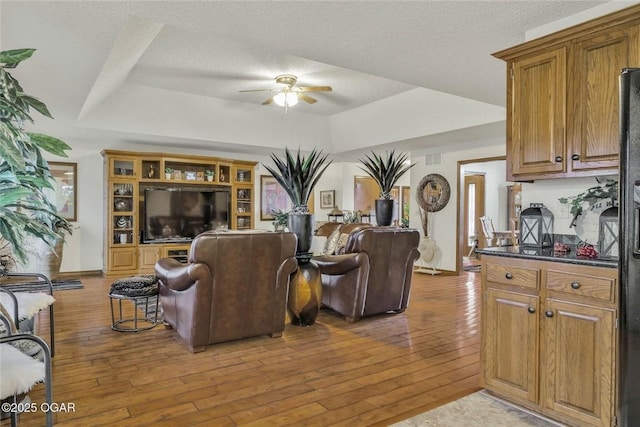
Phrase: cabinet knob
{"type": "Point", "coordinates": [558, 159]}
{"type": "Point", "coordinates": [509, 276]}
{"type": "Point", "coordinates": [575, 285]}
{"type": "Point", "coordinates": [531, 310]}
{"type": "Point", "coordinates": [575, 157]}
{"type": "Point", "coordinates": [548, 313]}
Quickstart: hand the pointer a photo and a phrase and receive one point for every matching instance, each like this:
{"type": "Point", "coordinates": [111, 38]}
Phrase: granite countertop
{"type": "Point", "coordinates": [547, 254]}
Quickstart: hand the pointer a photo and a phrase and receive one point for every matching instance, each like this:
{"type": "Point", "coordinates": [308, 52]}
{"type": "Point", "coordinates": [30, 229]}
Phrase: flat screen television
{"type": "Point", "coordinates": [180, 214]}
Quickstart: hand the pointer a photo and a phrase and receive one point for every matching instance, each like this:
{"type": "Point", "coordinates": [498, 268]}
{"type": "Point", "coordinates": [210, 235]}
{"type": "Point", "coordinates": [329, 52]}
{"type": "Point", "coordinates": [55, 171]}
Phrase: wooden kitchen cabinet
{"type": "Point", "coordinates": [538, 110]}
{"type": "Point", "coordinates": [577, 362]}
{"type": "Point", "coordinates": [548, 337]}
{"type": "Point", "coordinates": [511, 349]}
{"type": "Point", "coordinates": [562, 98]}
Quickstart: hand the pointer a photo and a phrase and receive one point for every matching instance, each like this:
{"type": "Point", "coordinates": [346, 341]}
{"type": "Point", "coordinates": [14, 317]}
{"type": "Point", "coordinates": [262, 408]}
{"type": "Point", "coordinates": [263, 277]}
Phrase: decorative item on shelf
{"type": "Point", "coordinates": [120, 205]}
{"type": "Point", "coordinates": [199, 176]}
{"type": "Point", "coordinates": [241, 176]}
{"type": "Point", "coordinates": [223, 178]}
{"type": "Point", "coordinates": [151, 173]}
{"type": "Point", "coordinates": [121, 222]}
{"type": "Point", "coordinates": [177, 174]}
{"type": "Point", "coordinates": [209, 174]}
{"type": "Point", "coordinates": [385, 171]}
{"type": "Point", "coordinates": [123, 238]}
{"type": "Point", "coordinates": [536, 226]}
{"type": "Point", "coordinates": [608, 233]}
{"type": "Point", "coordinates": [190, 175]}
{"type": "Point", "coordinates": [168, 173]}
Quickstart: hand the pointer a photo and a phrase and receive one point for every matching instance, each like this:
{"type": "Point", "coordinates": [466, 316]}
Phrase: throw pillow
{"type": "Point", "coordinates": [317, 245]}
{"type": "Point", "coordinates": [342, 242]}
{"type": "Point", "coordinates": [332, 242]}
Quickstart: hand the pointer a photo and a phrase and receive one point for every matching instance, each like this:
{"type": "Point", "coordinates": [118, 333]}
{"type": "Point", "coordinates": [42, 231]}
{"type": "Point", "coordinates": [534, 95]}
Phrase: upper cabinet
{"type": "Point", "coordinates": [562, 98]}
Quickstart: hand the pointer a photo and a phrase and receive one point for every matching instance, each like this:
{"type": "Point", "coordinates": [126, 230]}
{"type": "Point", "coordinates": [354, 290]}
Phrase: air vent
{"type": "Point", "coordinates": [433, 159]}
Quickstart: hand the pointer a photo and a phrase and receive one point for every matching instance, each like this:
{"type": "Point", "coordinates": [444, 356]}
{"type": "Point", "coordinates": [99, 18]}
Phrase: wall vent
{"type": "Point", "coordinates": [433, 159]}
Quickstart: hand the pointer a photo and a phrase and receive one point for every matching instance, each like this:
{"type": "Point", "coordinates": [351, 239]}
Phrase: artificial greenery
{"type": "Point", "coordinates": [280, 219]}
{"type": "Point", "coordinates": [207, 172]}
{"type": "Point", "coordinates": [602, 191]}
{"type": "Point", "coordinates": [25, 209]}
{"type": "Point", "coordinates": [386, 170]}
{"type": "Point", "coordinates": [299, 175]}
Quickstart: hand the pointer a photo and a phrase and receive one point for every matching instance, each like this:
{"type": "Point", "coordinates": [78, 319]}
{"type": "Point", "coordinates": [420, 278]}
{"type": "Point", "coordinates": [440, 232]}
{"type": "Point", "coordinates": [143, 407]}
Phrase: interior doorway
{"type": "Point", "coordinates": [493, 171]}
{"type": "Point", "coordinates": [473, 210]}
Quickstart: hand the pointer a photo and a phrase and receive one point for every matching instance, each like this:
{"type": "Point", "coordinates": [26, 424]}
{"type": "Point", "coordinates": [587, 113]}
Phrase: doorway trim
{"type": "Point", "coordinates": [459, 206]}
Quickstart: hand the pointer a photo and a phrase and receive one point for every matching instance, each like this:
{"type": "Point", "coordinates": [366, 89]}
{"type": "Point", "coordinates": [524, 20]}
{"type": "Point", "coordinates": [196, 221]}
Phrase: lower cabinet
{"type": "Point", "coordinates": [548, 339]}
{"type": "Point", "coordinates": [577, 362]}
{"type": "Point", "coordinates": [142, 259]}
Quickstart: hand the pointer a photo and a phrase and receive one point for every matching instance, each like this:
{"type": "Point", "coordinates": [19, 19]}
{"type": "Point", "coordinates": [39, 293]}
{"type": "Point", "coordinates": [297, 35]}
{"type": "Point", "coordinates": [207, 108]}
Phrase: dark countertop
{"type": "Point", "coordinates": [547, 254]}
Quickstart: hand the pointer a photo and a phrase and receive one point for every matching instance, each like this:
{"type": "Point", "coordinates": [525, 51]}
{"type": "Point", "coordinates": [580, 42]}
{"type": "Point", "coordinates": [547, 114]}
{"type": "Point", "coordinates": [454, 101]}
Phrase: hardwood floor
{"type": "Point", "coordinates": [374, 372]}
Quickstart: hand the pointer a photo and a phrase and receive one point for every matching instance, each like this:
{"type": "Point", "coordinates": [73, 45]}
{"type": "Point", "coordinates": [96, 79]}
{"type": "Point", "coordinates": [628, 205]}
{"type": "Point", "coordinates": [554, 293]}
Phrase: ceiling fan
{"type": "Point", "coordinates": [288, 93]}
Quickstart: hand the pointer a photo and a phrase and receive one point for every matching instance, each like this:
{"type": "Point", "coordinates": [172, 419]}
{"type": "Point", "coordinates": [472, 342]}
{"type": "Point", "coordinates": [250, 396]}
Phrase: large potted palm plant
{"type": "Point", "coordinates": [298, 176]}
{"type": "Point", "coordinates": [25, 210]}
{"type": "Point", "coordinates": [385, 171]}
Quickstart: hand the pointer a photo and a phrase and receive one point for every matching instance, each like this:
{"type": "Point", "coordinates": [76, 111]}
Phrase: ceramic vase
{"type": "Point", "coordinates": [305, 293]}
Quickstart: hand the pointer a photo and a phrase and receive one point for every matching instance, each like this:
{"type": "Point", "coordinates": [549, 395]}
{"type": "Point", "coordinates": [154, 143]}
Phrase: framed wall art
{"type": "Point", "coordinates": [65, 197]}
{"type": "Point", "coordinates": [327, 199]}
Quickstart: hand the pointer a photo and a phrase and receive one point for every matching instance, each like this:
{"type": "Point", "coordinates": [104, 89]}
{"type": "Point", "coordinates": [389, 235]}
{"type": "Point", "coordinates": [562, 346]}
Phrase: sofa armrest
{"type": "Point", "coordinates": [178, 276]}
{"type": "Point", "coordinates": [340, 264]}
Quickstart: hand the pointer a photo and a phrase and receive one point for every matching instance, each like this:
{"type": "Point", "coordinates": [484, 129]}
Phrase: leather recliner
{"type": "Point", "coordinates": [374, 274]}
{"type": "Point", "coordinates": [233, 286]}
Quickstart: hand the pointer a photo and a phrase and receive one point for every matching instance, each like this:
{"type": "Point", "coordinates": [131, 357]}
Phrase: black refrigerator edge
{"type": "Point", "coordinates": [629, 250]}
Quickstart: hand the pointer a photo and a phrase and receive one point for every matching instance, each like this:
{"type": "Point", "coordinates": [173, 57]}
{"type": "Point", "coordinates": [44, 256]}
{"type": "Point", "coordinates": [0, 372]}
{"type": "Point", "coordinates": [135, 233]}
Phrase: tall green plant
{"type": "Point", "coordinates": [386, 170]}
{"type": "Point", "coordinates": [24, 174]}
{"type": "Point", "coordinates": [298, 176]}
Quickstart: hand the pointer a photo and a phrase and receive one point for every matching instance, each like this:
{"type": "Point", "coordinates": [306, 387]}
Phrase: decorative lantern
{"type": "Point", "coordinates": [608, 233]}
{"type": "Point", "coordinates": [536, 226]}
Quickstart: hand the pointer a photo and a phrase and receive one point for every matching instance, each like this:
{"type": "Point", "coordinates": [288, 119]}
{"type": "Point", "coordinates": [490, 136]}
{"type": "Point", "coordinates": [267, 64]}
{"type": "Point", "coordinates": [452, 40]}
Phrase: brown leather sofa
{"type": "Point", "coordinates": [374, 274]}
{"type": "Point", "coordinates": [233, 286]}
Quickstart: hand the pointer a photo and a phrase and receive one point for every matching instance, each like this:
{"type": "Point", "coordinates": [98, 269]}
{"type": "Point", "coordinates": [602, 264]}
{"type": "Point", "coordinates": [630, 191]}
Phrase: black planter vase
{"type": "Point", "coordinates": [302, 226]}
{"type": "Point", "coordinates": [384, 211]}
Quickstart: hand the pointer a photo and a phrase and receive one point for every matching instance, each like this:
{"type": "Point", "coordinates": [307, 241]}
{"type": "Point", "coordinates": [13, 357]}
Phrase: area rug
{"type": "Point", "coordinates": [58, 285]}
{"type": "Point", "coordinates": [479, 410]}
{"type": "Point", "coordinates": [472, 268]}
{"type": "Point", "coordinates": [151, 310]}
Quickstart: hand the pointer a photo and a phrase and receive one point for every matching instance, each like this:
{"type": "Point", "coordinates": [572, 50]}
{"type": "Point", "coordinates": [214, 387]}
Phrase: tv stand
{"type": "Point", "coordinates": [126, 174]}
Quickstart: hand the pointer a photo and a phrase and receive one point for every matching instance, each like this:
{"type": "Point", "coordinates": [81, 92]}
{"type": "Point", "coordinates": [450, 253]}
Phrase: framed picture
{"type": "Point", "coordinates": [327, 199]}
{"type": "Point", "coordinates": [272, 198]}
{"type": "Point", "coordinates": [406, 202]}
{"type": "Point", "coordinates": [66, 190]}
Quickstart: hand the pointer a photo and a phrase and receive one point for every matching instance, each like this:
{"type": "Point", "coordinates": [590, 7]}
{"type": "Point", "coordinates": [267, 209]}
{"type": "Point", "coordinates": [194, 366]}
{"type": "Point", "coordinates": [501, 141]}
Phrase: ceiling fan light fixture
{"type": "Point", "coordinates": [286, 99]}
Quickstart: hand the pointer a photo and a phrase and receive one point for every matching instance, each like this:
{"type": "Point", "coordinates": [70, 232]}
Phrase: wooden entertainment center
{"type": "Point", "coordinates": [128, 174]}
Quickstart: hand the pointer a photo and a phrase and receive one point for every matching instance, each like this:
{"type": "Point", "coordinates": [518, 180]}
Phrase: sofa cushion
{"type": "Point", "coordinates": [317, 245]}
{"type": "Point", "coordinates": [332, 242]}
{"type": "Point", "coordinates": [342, 242]}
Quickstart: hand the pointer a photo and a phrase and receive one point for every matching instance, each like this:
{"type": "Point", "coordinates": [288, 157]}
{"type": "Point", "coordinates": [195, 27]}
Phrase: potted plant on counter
{"type": "Point", "coordinates": [385, 171]}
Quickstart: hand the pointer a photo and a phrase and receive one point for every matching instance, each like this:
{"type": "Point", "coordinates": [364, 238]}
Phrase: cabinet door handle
{"type": "Point", "coordinates": [575, 157]}
{"type": "Point", "coordinates": [548, 313]}
{"type": "Point", "coordinates": [575, 285]}
{"type": "Point", "coordinates": [531, 310]}
{"type": "Point", "coordinates": [558, 159]}
{"type": "Point", "coordinates": [509, 276]}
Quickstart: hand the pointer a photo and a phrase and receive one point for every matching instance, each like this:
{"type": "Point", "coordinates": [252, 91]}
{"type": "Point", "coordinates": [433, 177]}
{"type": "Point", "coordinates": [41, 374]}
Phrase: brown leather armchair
{"type": "Point", "coordinates": [374, 274]}
{"type": "Point", "coordinates": [233, 286]}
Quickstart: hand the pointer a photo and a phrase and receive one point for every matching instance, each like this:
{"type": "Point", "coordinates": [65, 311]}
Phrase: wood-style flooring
{"type": "Point", "coordinates": [377, 371]}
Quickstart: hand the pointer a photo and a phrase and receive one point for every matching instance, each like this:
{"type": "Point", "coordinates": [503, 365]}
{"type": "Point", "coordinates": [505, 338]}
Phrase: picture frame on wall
{"type": "Point", "coordinates": [65, 196]}
{"type": "Point", "coordinates": [327, 199]}
{"type": "Point", "coordinates": [273, 198]}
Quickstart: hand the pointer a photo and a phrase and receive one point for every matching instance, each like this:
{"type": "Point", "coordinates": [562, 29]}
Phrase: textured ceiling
{"type": "Point", "coordinates": [367, 51]}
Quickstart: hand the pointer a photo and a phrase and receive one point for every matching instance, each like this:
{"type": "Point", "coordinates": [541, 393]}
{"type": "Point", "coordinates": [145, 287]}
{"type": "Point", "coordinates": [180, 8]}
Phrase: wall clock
{"type": "Point", "coordinates": [433, 192]}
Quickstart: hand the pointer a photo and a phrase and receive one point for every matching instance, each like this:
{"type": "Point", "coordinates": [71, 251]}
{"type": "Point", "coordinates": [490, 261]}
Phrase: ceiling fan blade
{"type": "Point", "coordinates": [307, 98]}
{"type": "Point", "coordinates": [314, 88]}
{"type": "Point", "coordinates": [260, 90]}
{"type": "Point", "coordinates": [268, 101]}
